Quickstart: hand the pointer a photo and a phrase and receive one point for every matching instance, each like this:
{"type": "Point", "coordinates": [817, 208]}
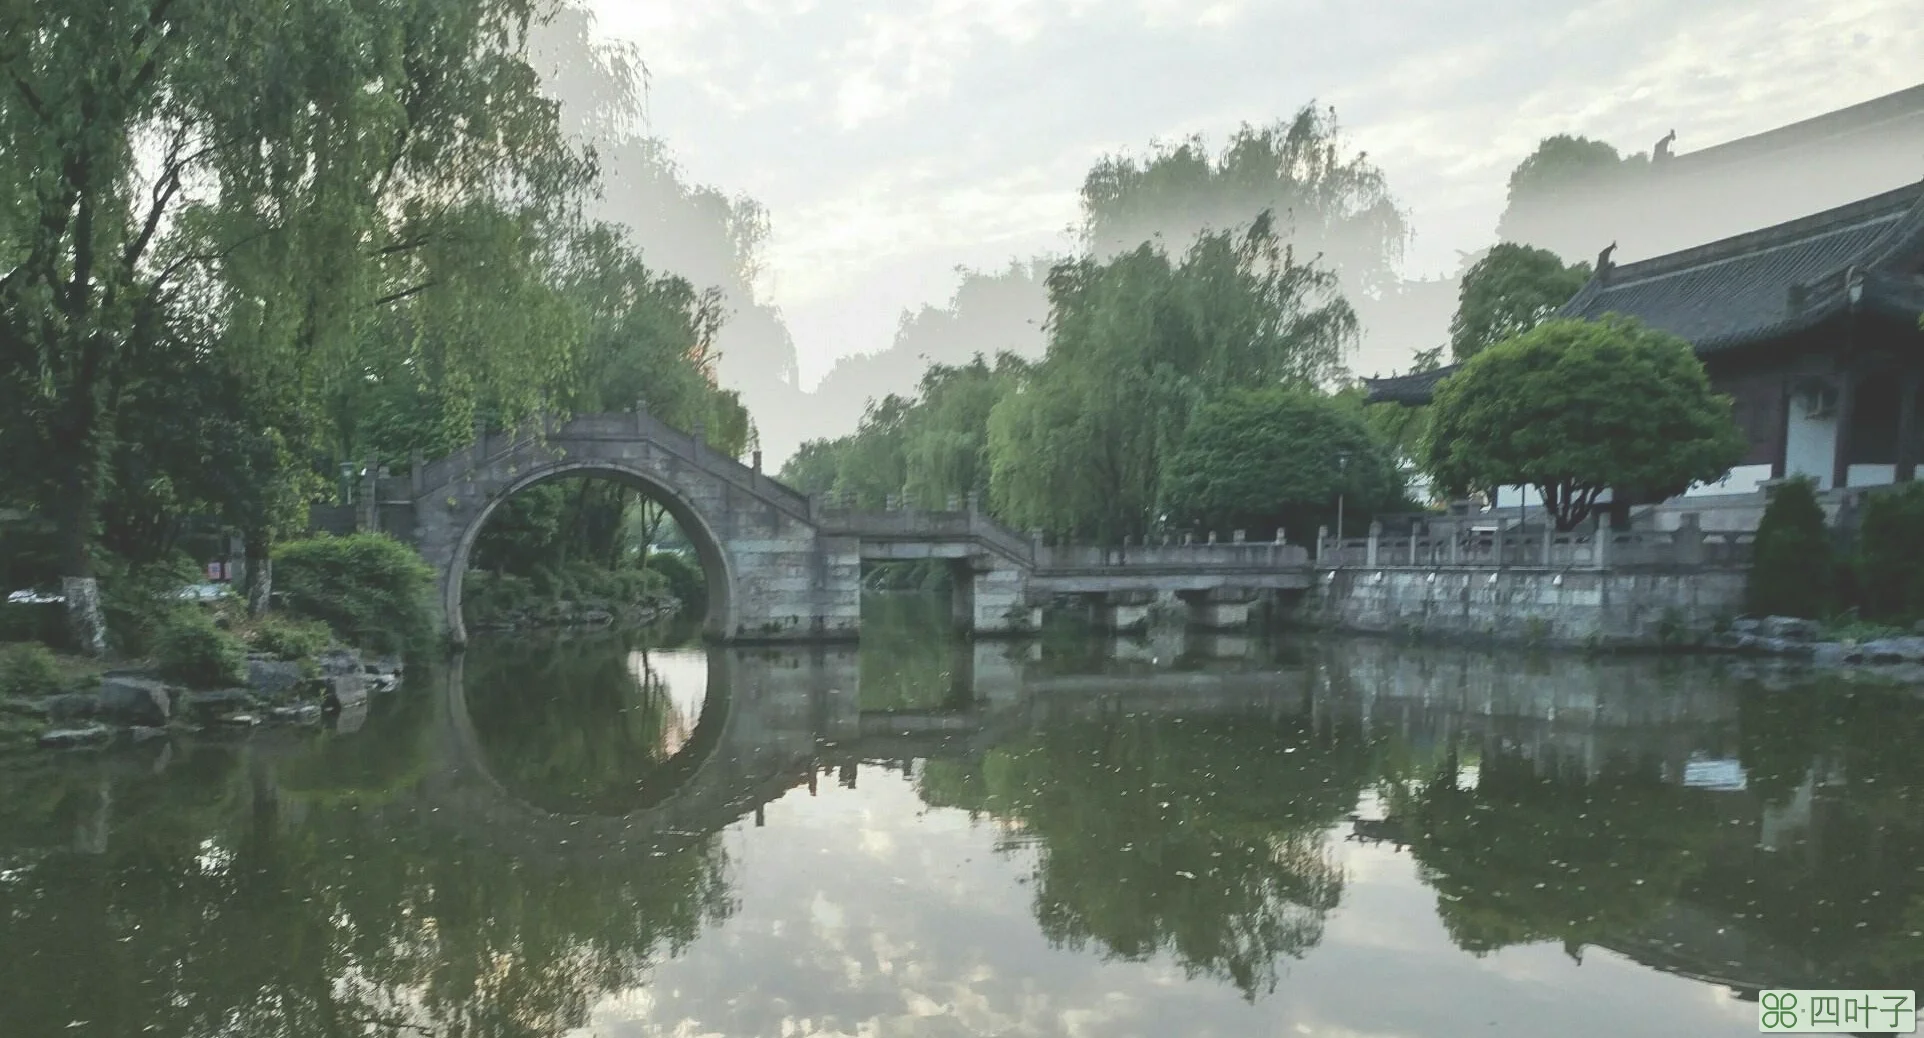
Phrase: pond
{"type": "Point", "coordinates": [630, 835]}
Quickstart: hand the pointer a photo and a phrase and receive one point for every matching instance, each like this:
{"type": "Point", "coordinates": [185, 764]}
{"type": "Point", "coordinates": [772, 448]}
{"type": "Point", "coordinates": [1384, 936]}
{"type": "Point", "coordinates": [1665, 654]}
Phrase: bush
{"type": "Point", "coordinates": [290, 639]}
{"type": "Point", "coordinates": [1794, 573]}
{"type": "Point", "coordinates": [33, 622]}
{"type": "Point", "coordinates": [30, 670]}
{"type": "Point", "coordinates": [189, 649]}
{"type": "Point", "coordinates": [374, 591]}
{"type": "Point", "coordinates": [1889, 561]}
{"type": "Point", "coordinates": [683, 577]}
{"type": "Point", "coordinates": [139, 601]}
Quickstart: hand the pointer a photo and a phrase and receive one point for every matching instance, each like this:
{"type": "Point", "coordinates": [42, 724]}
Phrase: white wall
{"type": "Point", "coordinates": [1810, 448]}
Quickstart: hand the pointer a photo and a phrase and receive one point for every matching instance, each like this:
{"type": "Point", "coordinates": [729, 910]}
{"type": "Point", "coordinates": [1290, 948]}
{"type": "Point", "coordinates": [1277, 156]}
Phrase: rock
{"type": "Point", "coordinates": [209, 706]}
{"type": "Point", "coordinates": [1894, 650]}
{"type": "Point", "coordinates": [304, 714]}
{"type": "Point", "coordinates": [339, 661]}
{"type": "Point", "coordinates": [137, 701]}
{"type": "Point", "coordinates": [346, 690]}
{"type": "Point", "coordinates": [1745, 626]}
{"type": "Point", "coordinates": [350, 719]}
{"type": "Point", "coordinates": [1834, 654]}
{"type": "Point", "coordinates": [140, 735]}
{"type": "Point", "coordinates": [1788, 628]}
{"type": "Point", "coordinates": [597, 617]}
{"type": "Point", "coordinates": [273, 677]}
{"type": "Point", "coordinates": [239, 721]}
{"type": "Point", "coordinates": [72, 706]}
{"type": "Point", "coordinates": [75, 738]}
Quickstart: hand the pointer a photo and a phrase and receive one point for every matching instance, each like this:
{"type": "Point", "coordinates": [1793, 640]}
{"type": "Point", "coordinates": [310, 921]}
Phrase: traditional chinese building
{"type": "Point", "coordinates": [1810, 326]}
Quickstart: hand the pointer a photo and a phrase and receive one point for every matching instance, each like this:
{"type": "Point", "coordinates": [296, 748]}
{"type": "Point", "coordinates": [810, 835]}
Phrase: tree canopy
{"type": "Point", "coordinates": [1511, 290]}
{"type": "Point", "coordinates": [1574, 408]}
{"type": "Point", "coordinates": [1260, 460]}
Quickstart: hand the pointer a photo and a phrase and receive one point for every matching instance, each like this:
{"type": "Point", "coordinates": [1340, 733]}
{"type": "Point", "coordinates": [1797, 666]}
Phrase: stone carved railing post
{"type": "Point", "coordinates": [1687, 542]}
{"type": "Point", "coordinates": [1322, 544]}
{"type": "Point", "coordinates": [1606, 537]}
{"type": "Point", "coordinates": [417, 477]}
{"type": "Point", "coordinates": [1239, 537]}
{"type": "Point", "coordinates": [975, 503]}
{"type": "Point", "coordinates": [1456, 545]}
{"type": "Point", "coordinates": [1280, 539]}
{"type": "Point", "coordinates": [1415, 532]}
{"type": "Point", "coordinates": [954, 502]}
{"type": "Point", "coordinates": [1212, 538]}
{"type": "Point", "coordinates": [1549, 542]}
{"type": "Point", "coordinates": [1376, 537]}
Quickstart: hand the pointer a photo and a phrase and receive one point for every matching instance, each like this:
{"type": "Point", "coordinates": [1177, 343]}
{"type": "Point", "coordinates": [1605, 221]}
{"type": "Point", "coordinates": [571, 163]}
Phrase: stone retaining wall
{"type": "Point", "coordinates": [1608, 608]}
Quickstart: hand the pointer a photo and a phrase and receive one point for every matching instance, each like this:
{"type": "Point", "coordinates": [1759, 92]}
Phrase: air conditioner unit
{"type": "Point", "coordinates": [1819, 402]}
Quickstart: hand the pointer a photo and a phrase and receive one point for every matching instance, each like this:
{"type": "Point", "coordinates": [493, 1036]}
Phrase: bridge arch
{"type": "Point", "coordinates": [718, 570]}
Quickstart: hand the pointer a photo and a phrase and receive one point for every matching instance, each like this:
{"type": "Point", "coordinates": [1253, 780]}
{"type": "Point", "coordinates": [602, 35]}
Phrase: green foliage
{"type": "Point", "coordinates": [290, 639]}
{"type": "Point", "coordinates": [1139, 344]}
{"type": "Point", "coordinates": [1509, 291]}
{"type": "Point", "coordinates": [1544, 185]}
{"type": "Point", "coordinates": [30, 670]}
{"type": "Point", "coordinates": [1890, 554]}
{"type": "Point", "coordinates": [682, 578]}
{"type": "Point", "coordinates": [373, 591]}
{"type": "Point", "coordinates": [1256, 460]}
{"type": "Point", "coordinates": [140, 600]}
{"type": "Point", "coordinates": [1792, 571]}
{"type": "Point", "coordinates": [1574, 408]}
{"type": "Point", "coordinates": [188, 648]}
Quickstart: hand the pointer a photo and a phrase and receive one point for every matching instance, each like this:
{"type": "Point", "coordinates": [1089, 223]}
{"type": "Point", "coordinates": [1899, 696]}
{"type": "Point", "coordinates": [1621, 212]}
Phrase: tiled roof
{"type": "Point", "coordinates": [1751, 288]}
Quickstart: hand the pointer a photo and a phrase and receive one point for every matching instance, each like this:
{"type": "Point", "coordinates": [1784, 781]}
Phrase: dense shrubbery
{"type": "Point", "coordinates": [374, 591]}
{"type": "Point", "coordinates": [188, 648]}
{"type": "Point", "coordinates": [1889, 563]}
{"type": "Point", "coordinates": [291, 639]}
{"type": "Point", "coordinates": [1794, 572]}
{"type": "Point", "coordinates": [488, 597]}
{"type": "Point", "coordinates": [140, 600]}
{"type": "Point", "coordinates": [30, 670]}
{"type": "Point", "coordinates": [681, 577]}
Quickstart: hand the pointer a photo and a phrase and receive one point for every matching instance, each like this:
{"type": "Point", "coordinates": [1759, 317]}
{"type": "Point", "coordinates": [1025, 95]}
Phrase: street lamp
{"type": "Point", "coordinates": [347, 482]}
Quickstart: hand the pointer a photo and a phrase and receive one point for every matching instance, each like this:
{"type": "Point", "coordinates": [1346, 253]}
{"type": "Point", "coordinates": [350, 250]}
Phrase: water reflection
{"type": "Point", "coordinates": [926, 836]}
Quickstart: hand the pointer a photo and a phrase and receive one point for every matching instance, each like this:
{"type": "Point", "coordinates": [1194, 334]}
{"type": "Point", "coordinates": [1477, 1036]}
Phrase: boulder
{"type": "Point", "coordinates": [350, 719]}
{"type": "Point", "coordinates": [339, 661]}
{"type": "Point", "coordinates": [1894, 650]}
{"type": "Point", "coordinates": [346, 690]}
{"type": "Point", "coordinates": [1834, 654]}
{"type": "Point", "coordinates": [72, 706]}
{"type": "Point", "coordinates": [1788, 628]}
{"type": "Point", "coordinates": [273, 677]}
{"type": "Point", "coordinates": [239, 720]}
{"type": "Point", "coordinates": [137, 701]}
{"type": "Point", "coordinates": [75, 738]}
{"type": "Point", "coordinates": [305, 714]}
{"type": "Point", "coordinates": [206, 707]}
{"type": "Point", "coordinates": [1746, 625]}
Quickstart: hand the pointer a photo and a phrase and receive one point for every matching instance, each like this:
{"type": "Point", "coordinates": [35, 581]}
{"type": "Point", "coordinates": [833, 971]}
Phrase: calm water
{"type": "Point", "coordinates": [925, 838]}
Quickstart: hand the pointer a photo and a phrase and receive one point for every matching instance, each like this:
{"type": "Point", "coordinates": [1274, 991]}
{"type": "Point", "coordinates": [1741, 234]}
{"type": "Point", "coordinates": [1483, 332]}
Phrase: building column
{"type": "Point", "coordinates": [1907, 424]}
{"type": "Point", "coordinates": [1846, 411]}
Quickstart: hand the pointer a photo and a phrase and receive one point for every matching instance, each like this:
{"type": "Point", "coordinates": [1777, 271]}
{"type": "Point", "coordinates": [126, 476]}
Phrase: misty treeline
{"type": "Point", "coordinates": [243, 245]}
{"type": "Point", "coordinates": [1186, 371]}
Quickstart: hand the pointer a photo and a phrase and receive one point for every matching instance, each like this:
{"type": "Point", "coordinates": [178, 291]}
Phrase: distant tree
{"type": "Point", "coordinates": [1792, 572]}
{"type": "Point", "coordinates": [1257, 460]}
{"type": "Point", "coordinates": [1324, 200]}
{"type": "Point", "coordinates": [1548, 189]}
{"type": "Point", "coordinates": [812, 469]}
{"type": "Point", "coordinates": [1574, 408]}
{"type": "Point", "coordinates": [1511, 290]}
{"type": "Point", "coordinates": [1137, 345]}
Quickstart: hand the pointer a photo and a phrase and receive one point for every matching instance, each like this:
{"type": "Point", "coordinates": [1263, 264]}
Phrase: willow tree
{"type": "Point", "coordinates": [300, 170]}
{"type": "Point", "coordinates": [1138, 344]}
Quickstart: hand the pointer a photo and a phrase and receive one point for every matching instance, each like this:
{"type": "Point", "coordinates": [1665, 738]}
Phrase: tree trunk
{"type": "Point", "coordinates": [260, 572]}
{"type": "Point", "coordinates": [74, 510]}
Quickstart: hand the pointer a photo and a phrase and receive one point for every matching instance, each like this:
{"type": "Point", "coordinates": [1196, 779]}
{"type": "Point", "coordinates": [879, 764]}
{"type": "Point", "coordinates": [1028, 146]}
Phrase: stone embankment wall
{"type": "Point", "coordinates": [1593, 608]}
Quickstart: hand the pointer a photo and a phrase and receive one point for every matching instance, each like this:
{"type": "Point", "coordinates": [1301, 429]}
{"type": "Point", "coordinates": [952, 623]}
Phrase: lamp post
{"type": "Point", "coordinates": [1342, 484]}
{"type": "Point", "coordinates": [347, 482]}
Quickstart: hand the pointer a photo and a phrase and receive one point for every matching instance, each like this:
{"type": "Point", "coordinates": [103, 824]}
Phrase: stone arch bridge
{"type": "Point", "coordinates": [782, 566]}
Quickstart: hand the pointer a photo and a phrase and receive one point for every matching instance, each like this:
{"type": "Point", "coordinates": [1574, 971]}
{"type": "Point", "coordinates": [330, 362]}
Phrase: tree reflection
{"type": "Point", "coordinates": [1200, 837]}
{"type": "Point", "coordinates": [587, 726]}
{"type": "Point", "coordinates": [221, 901]}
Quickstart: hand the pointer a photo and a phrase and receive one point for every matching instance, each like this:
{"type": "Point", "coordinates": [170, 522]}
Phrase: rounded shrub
{"type": "Point", "coordinates": [374, 591]}
{"type": "Point", "coordinates": [1793, 572]}
{"type": "Point", "coordinates": [31, 671]}
{"type": "Point", "coordinates": [189, 649]}
{"type": "Point", "coordinates": [290, 639]}
{"type": "Point", "coordinates": [1889, 566]}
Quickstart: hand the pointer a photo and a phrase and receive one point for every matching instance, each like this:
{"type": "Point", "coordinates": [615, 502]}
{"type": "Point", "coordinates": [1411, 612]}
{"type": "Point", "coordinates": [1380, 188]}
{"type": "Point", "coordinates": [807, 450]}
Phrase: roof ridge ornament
{"type": "Point", "coordinates": [1604, 265]}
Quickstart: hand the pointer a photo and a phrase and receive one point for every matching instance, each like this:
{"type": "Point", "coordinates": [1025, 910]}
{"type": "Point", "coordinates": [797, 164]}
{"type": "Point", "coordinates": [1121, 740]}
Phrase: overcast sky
{"type": "Point", "coordinates": [892, 140]}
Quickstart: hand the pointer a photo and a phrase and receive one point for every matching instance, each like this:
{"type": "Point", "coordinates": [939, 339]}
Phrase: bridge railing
{"type": "Point", "coordinates": [1687, 546]}
{"type": "Point", "coordinates": [1227, 555]}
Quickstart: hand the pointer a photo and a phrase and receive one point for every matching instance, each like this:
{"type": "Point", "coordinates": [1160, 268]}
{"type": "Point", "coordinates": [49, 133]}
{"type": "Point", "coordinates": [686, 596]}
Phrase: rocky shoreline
{"type": "Point", "coordinates": [133, 706]}
{"type": "Point", "coordinates": [1787, 647]}
{"type": "Point", "coordinates": [564, 614]}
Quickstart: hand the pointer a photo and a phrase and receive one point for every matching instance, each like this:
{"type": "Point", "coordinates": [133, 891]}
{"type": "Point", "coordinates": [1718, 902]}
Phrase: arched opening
{"type": "Point", "coordinates": [594, 526]}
